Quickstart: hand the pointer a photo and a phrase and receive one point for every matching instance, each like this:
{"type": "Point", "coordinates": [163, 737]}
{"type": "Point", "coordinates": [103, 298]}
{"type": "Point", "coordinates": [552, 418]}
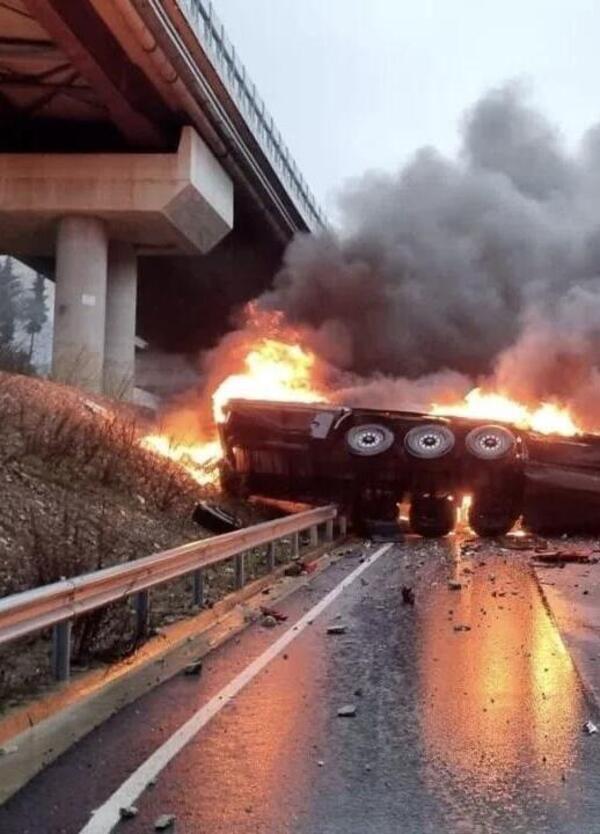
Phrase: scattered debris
{"type": "Point", "coordinates": [462, 628]}
{"type": "Point", "coordinates": [358, 692]}
{"type": "Point", "coordinates": [128, 812]}
{"type": "Point", "coordinates": [563, 557]}
{"type": "Point", "coordinates": [295, 569]}
{"type": "Point", "coordinates": [194, 668]}
{"type": "Point", "coordinates": [164, 822]}
{"type": "Point", "coordinates": [454, 585]}
{"type": "Point", "coordinates": [363, 581]}
{"type": "Point", "coordinates": [272, 612]}
{"type": "Point", "coordinates": [347, 711]}
{"type": "Point", "coordinates": [408, 595]}
{"type": "Point", "coordinates": [268, 622]}
{"type": "Point", "coordinates": [8, 750]}
{"type": "Point", "coordinates": [214, 518]}
{"type": "Point", "coordinates": [337, 629]}
{"type": "Point", "coordinates": [590, 728]}
{"type": "Point", "coordinates": [527, 542]}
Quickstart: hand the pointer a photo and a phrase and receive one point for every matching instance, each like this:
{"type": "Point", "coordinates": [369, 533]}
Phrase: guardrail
{"type": "Point", "coordinates": [56, 605]}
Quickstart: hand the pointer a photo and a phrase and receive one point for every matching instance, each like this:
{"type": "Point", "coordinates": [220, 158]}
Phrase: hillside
{"type": "Point", "coordinates": [77, 494]}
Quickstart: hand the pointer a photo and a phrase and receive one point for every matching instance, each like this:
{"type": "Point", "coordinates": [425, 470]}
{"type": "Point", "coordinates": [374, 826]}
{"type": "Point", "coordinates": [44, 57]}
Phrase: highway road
{"type": "Point", "coordinates": [468, 717]}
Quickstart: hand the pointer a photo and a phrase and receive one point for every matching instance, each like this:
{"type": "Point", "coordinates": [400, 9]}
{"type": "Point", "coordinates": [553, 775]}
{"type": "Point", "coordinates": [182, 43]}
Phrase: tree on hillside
{"type": "Point", "coordinates": [10, 301]}
{"type": "Point", "coordinates": [34, 310]}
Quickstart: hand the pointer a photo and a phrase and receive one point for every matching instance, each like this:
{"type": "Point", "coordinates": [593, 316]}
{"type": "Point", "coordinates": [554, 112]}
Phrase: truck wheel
{"type": "Point", "coordinates": [490, 442]}
{"type": "Point", "coordinates": [429, 441]}
{"type": "Point", "coordinates": [369, 439]}
{"type": "Point", "coordinates": [431, 516]}
{"type": "Point", "coordinates": [490, 517]}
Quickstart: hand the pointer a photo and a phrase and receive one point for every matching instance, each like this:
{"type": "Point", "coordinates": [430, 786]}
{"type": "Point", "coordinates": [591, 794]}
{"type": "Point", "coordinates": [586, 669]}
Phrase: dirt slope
{"type": "Point", "coordinates": [77, 493]}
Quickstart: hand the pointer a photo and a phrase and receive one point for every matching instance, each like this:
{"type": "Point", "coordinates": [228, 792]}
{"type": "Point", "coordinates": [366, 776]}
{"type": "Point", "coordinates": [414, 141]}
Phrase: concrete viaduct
{"type": "Point", "coordinates": [133, 144]}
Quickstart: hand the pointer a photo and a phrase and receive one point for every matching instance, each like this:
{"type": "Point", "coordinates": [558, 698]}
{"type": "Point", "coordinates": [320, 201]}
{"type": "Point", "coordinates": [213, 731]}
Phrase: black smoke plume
{"type": "Point", "coordinates": [450, 272]}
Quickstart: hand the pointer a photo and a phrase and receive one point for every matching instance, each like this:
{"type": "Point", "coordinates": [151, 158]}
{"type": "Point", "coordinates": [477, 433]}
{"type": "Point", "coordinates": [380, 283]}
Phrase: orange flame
{"type": "Point", "coordinates": [547, 418]}
{"type": "Point", "coordinates": [271, 367]}
{"type": "Point", "coordinates": [274, 371]}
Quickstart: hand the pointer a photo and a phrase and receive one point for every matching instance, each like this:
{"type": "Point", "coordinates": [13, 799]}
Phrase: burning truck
{"type": "Point", "coordinates": [369, 461]}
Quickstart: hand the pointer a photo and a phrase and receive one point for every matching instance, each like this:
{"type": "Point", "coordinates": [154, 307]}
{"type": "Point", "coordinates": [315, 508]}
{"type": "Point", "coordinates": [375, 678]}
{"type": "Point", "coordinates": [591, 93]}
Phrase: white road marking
{"type": "Point", "coordinates": [106, 817]}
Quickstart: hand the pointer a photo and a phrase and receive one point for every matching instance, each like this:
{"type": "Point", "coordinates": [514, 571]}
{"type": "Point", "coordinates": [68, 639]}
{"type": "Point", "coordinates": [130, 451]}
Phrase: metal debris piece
{"type": "Point", "coordinates": [453, 585]}
{"type": "Point", "coordinates": [337, 629]}
{"type": "Point", "coordinates": [347, 711]}
{"type": "Point", "coordinates": [193, 668]}
{"type": "Point", "coordinates": [164, 822]}
{"type": "Point", "coordinates": [268, 622]}
{"type": "Point", "coordinates": [590, 728]}
{"type": "Point", "coordinates": [563, 557]}
{"type": "Point", "coordinates": [462, 628]}
{"type": "Point", "coordinates": [128, 812]}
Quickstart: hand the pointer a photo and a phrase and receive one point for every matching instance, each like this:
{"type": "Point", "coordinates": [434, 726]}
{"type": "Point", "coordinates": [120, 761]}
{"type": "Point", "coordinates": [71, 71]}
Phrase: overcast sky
{"type": "Point", "coordinates": [360, 84]}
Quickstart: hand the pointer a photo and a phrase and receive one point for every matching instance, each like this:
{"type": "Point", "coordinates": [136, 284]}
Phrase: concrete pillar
{"type": "Point", "coordinates": [79, 302]}
{"type": "Point", "coordinates": [121, 299]}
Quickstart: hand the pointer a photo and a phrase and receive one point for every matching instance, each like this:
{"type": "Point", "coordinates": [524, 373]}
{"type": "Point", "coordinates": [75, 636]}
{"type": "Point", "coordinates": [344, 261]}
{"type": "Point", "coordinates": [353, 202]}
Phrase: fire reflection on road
{"type": "Point", "coordinates": [499, 700]}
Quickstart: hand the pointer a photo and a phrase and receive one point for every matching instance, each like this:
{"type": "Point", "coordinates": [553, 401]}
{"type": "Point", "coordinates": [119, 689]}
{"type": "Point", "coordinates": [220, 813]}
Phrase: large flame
{"type": "Point", "coordinates": [546, 418]}
{"type": "Point", "coordinates": [271, 364]}
{"type": "Point", "coordinates": [274, 370]}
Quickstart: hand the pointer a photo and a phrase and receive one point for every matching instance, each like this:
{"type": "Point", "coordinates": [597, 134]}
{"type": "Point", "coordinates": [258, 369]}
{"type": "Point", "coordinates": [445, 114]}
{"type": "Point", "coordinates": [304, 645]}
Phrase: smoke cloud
{"type": "Point", "coordinates": [448, 271]}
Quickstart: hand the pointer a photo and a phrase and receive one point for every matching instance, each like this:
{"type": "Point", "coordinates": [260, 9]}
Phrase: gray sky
{"type": "Point", "coordinates": [360, 84]}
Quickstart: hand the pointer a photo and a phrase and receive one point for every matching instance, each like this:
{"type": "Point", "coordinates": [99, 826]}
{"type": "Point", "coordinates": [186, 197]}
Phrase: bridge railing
{"type": "Point", "coordinates": [211, 34]}
{"type": "Point", "coordinates": [57, 604]}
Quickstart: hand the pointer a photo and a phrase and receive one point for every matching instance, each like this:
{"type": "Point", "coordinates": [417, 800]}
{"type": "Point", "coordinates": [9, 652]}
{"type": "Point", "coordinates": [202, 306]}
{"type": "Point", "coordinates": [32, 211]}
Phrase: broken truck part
{"type": "Point", "coordinates": [369, 461]}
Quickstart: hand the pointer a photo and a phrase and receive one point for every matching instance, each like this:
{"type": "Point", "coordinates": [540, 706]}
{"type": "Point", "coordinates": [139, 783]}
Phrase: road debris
{"type": "Point", "coordinates": [295, 569]}
{"type": "Point", "coordinates": [526, 542]}
{"type": "Point", "coordinates": [454, 585]}
{"type": "Point", "coordinates": [268, 622]}
{"type": "Point", "coordinates": [337, 629]}
{"type": "Point", "coordinates": [347, 711]}
{"type": "Point", "coordinates": [128, 812]}
{"type": "Point", "coordinates": [408, 595]}
{"type": "Point", "coordinates": [164, 822]}
{"type": "Point", "coordinates": [273, 612]}
{"type": "Point", "coordinates": [193, 669]}
{"type": "Point", "coordinates": [564, 557]}
{"type": "Point", "coordinates": [590, 728]}
{"type": "Point", "coordinates": [462, 628]}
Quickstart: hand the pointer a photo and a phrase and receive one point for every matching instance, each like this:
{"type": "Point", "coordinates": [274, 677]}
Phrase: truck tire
{"type": "Point", "coordinates": [491, 516]}
{"type": "Point", "coordinates": [432, 516]}
{"type": "Point", "coordinates": [369, 439]}
{"type": "Point", "coordinates": [429, 442]}
{"type": "Point", "coordinates": [490, 442]}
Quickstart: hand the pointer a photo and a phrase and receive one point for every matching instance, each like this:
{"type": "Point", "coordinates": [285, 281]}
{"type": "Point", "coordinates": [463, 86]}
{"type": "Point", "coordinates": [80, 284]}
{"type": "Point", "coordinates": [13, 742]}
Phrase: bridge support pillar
{"type": "Point", "coordinates": [79, 303]}
{"type": "Point", "coordinates": [121, 299]}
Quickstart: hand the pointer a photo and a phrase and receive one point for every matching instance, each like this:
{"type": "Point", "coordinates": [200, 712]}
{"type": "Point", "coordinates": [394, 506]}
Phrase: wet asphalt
{"type": "Point", "coordinates": [469, 718]}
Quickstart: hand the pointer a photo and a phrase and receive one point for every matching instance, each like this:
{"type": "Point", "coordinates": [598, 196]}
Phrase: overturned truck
{"type": "Point", "coordinates": [370, 461]}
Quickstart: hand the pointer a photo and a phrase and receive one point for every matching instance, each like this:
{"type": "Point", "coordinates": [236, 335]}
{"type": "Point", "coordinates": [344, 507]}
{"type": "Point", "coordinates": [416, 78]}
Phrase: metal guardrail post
{"type": "Point", "coordinates": [142, 612]}
{"type": "Point", "coordinates": [240, 570]}
{"type": "Point", "coordinates": [271, 556]}
{"type": "Point", "coordinates": [343, 525]}
{"type": "Point", "coordinates": [329, 530]}
{"type": "Point", "coordinates": [295, 545]}
{"type": "Point", "coordinates": [314, 536]}
{"type": "Point", "coordinates": [61, 650]}
{"type": "Point", "coordinates": [198, 588]}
